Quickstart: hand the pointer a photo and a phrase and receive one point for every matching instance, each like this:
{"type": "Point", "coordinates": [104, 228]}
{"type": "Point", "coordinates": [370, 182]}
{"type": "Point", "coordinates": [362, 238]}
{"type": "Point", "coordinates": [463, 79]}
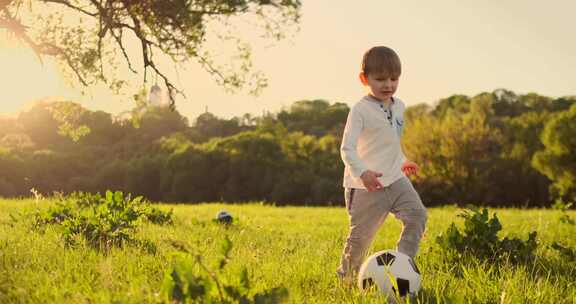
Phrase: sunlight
{"type": "Point", "coordinates": [24, 78]}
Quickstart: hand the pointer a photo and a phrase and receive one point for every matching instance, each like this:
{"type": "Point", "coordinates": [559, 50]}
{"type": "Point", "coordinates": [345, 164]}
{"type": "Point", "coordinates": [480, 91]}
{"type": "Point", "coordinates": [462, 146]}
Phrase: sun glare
{"type": "Point", "coordinates": [23, 78]}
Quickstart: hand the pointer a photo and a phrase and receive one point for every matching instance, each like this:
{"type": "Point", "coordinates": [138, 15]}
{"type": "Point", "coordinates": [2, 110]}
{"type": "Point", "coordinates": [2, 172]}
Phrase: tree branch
{"type": "Point", "coordinates": [118, 38]}
{"type": "Point", "coordinates": [72, 6]}
{"type": "Point", "coordinates": [174, 28]}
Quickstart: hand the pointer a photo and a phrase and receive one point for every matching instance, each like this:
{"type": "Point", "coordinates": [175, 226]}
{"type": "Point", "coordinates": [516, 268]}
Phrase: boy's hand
{"type": "Point", "coordinates": [370, 180]}
{"type": "Point", "coordinates": [410, 168]}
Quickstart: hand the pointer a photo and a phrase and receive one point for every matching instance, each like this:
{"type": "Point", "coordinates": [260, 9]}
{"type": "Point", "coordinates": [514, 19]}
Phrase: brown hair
{"type": "Point", "coordinates": [381, 59]}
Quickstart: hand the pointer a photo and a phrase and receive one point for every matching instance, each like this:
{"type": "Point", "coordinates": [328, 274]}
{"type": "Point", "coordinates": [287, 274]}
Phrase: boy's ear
{"type": "Point", "coordinates": [363, 78]}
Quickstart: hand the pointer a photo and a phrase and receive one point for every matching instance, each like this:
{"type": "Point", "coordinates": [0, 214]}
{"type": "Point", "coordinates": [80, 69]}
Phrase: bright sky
{"type": "Point", "coordinates": [446, 47]}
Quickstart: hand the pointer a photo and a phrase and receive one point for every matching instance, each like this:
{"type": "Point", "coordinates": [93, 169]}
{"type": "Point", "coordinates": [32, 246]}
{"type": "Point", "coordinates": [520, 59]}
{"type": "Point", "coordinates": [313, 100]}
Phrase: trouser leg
{"type": "Point", "coordinates": [366, 213]}
{"type": "Point", "coordinates": [408, 208]}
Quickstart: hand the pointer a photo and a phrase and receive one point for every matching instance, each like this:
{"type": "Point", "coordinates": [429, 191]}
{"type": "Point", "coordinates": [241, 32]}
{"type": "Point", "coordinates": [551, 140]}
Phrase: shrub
{"type": "Point", "coordinates": [102, 221]}
{"type": "Point", "coordinates": [479, 238]}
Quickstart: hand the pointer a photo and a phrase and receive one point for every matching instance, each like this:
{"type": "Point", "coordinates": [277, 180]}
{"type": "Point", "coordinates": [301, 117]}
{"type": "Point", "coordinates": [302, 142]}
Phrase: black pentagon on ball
{"type": "Point", "coordinates": [385, 259]}
{"type": "Point", "coordinates": [414, 266]}
{"type": "Point", "coordinates": [403, 287]}
{"type": "Point", "coordinates": [367, 283]}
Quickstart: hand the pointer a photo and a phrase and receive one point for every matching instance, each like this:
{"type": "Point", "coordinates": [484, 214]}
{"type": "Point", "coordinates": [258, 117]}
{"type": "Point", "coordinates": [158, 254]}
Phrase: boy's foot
{"type": "Point", "coordinates": [345, 281]}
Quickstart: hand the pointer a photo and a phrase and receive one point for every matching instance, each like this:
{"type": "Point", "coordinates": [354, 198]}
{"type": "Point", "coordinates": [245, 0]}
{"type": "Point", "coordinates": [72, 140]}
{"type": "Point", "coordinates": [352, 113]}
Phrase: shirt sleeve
{"type": "Point", "coordinates": [348, 149]}
{"type": "Point", "coordinates": [400, 127]}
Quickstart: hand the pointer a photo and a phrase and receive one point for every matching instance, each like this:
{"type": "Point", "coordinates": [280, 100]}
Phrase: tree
{"type": "Point", "coordinates": [207, 126]}
{"type": "Point", "coordinates": [557, 161]}
{"type": "Point", "coordinates": [520, 142]}
{"type": "Point", "coordinates": [91, 37]}
{"type": "Point", "coordinates": [40, 125]}
{"type": "Point", "coordinates": [456, 152]}
{"type": "Point", "coordinates": [157, 122]}
{"type": "Point", "coordinates": [454, 103]}
{"type": "Point", "coordinates": [315, 117]}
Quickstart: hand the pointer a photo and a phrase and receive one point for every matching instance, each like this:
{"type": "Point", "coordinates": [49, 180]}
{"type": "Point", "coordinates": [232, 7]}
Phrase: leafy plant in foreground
{"type": "Point", "coordinates": [479, 238]}
{"type": "Point", "coordinates": [182, 285]}
{"type": "Point", "coordinates": [102, 221]}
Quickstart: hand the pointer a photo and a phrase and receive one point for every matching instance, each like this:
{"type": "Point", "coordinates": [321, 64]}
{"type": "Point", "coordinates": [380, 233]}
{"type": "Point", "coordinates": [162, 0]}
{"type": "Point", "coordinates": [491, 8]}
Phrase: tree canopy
{"type": "Point", "coordinates": [490, 149]}
{"type": "Point", "coordinates": [90, 38]}
{"type": "Point", "coordinates": [557, 160]}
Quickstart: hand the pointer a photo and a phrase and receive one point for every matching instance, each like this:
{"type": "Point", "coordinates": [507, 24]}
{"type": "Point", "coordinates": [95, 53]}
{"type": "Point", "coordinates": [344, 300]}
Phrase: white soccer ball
{"type": "Point", "coordinates": [387, 270]}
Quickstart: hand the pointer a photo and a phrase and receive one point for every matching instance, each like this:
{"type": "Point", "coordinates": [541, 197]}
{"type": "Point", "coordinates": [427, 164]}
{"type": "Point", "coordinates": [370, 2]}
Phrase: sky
{"type": "Point", "coordinates": [446, 47]}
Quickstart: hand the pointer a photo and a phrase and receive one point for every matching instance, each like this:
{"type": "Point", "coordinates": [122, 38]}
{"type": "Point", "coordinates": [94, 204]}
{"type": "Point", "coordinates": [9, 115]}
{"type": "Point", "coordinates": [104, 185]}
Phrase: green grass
{"type": "Point", "coordinates": [295, 247]}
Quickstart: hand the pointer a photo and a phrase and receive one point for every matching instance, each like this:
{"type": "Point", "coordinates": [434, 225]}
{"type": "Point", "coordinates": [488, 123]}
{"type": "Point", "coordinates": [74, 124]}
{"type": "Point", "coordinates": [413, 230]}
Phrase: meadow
{"type": "Point", "coordinates": [293, 247]}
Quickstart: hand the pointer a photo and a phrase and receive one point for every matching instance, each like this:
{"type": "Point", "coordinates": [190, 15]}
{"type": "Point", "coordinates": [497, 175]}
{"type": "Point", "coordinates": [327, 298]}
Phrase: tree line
{"type": "Point", "coordinates": [496, 148]}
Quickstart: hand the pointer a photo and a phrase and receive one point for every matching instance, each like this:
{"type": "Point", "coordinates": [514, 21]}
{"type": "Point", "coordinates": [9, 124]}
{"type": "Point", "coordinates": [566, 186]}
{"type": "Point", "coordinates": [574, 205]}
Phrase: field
{"type": "Point", "coordinates": [294, 247]}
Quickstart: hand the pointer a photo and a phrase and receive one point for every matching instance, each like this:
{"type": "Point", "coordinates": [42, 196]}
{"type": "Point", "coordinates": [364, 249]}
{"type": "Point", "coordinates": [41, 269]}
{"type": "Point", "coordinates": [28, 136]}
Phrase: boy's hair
{"type": "Point", "coordinates": [381, 59]}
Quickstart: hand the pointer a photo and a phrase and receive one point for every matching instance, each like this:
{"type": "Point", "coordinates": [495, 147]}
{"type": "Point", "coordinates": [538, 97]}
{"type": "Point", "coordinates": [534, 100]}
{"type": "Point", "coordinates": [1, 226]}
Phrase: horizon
{"type": "Point", "coordinates": [30, 104]}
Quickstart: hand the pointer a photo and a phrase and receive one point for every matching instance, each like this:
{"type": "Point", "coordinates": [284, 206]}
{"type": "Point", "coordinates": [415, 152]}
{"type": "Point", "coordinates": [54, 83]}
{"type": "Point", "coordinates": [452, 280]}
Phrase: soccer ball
{"type": "Point", "coordinates": [224, 217]}
{"type": "Point", "coordinates": [387, 270]}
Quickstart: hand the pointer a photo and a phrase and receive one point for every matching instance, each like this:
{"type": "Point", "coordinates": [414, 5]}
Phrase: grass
{"type": "Point", "coordinates": [295, 247]}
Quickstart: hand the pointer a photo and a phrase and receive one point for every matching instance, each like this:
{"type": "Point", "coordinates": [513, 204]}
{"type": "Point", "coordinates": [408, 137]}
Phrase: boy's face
{"type": "Point", "coordinates": [381, 85]}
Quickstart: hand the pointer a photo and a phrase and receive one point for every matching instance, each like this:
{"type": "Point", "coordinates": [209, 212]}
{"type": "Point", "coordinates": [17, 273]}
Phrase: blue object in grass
{"type": "Point", "coordinates": [224, 217]}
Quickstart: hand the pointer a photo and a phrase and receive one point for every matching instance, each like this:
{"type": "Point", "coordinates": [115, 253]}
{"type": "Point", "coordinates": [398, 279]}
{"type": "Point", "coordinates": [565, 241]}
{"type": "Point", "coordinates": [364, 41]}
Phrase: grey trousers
{"type": "Point", "coordinates": [368, 210]}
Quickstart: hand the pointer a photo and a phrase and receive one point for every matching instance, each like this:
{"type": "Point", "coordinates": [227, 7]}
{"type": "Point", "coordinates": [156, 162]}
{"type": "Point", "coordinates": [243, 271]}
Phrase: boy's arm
{"type": "Point", "coordinates": [404, 159]}
{"type": "Point", "coordinates": [400, 124]}
{"type": "Point", "coordinates": [408, 167]}
{"type": "Point", "coordinates": [348, 149]}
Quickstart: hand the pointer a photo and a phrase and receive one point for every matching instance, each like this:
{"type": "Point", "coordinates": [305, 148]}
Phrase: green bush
{"type": "Point", "coordinates": [102, 221]}
{"type": "Point", "coordinates": [479, 238]}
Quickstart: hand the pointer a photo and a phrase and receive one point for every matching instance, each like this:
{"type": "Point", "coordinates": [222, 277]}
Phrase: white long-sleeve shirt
{"type": "Point", "coordinates": [372, 142]}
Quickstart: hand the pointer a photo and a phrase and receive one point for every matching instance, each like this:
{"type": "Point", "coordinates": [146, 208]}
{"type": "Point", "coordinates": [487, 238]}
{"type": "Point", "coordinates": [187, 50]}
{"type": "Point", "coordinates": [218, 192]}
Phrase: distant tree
{"type": "Point", "coordinates": [315, 117]}
{"type": "Point", "coordinates": [562, 103]}
{"type": "Point", "coordinates": [156, 122]}
{"type": "Point", "coordinates": [208, 126]}
{"type": "Point", "coordinates": [143, 176]}
{"type": "Point", "coordinates": [455, 152]}
{"type": "Point", "coordinates": [104, 131]}
{"type": "Point", "coordinates": [15, 172]}
{"type": "Point", "coordinates": [51, 171]}
{"type": "Point", "coordinates": [194, 174]}
{"type": "Point", "coordinates": [69, 115]}
{"type": "Point", "coordinates": [507, 103]}
{"type": "Point", "coordinates": [521, 140]}
{"type": "Point", "coordinates": [41, 126]}
{"type": "Point", "coordinates": [558, 160]}
{"type": "Point", "coordinates": [254, 159]}
{"type": "Point", "coordinates": [470, 154]}
{"type": "Point", "coordinates": [415, 112]}
{"type": "Point", "coordinates": [455, 103]}
{"type": "Point", "coordinates": [91, 38]}
{"type": "Point", "coordinates": [536, 102]}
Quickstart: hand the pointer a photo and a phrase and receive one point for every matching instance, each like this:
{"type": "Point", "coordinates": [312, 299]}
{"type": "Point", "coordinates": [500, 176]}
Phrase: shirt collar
{"type": "Point", "coordinates": [373, 99]}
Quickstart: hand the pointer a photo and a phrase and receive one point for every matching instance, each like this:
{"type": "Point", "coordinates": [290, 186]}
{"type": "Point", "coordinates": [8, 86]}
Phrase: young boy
{"type": "Point", "coordinates": [375, 181]}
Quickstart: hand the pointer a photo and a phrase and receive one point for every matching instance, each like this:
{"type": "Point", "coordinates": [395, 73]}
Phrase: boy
{"type": "Point", "coordinates": [375, 171]}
